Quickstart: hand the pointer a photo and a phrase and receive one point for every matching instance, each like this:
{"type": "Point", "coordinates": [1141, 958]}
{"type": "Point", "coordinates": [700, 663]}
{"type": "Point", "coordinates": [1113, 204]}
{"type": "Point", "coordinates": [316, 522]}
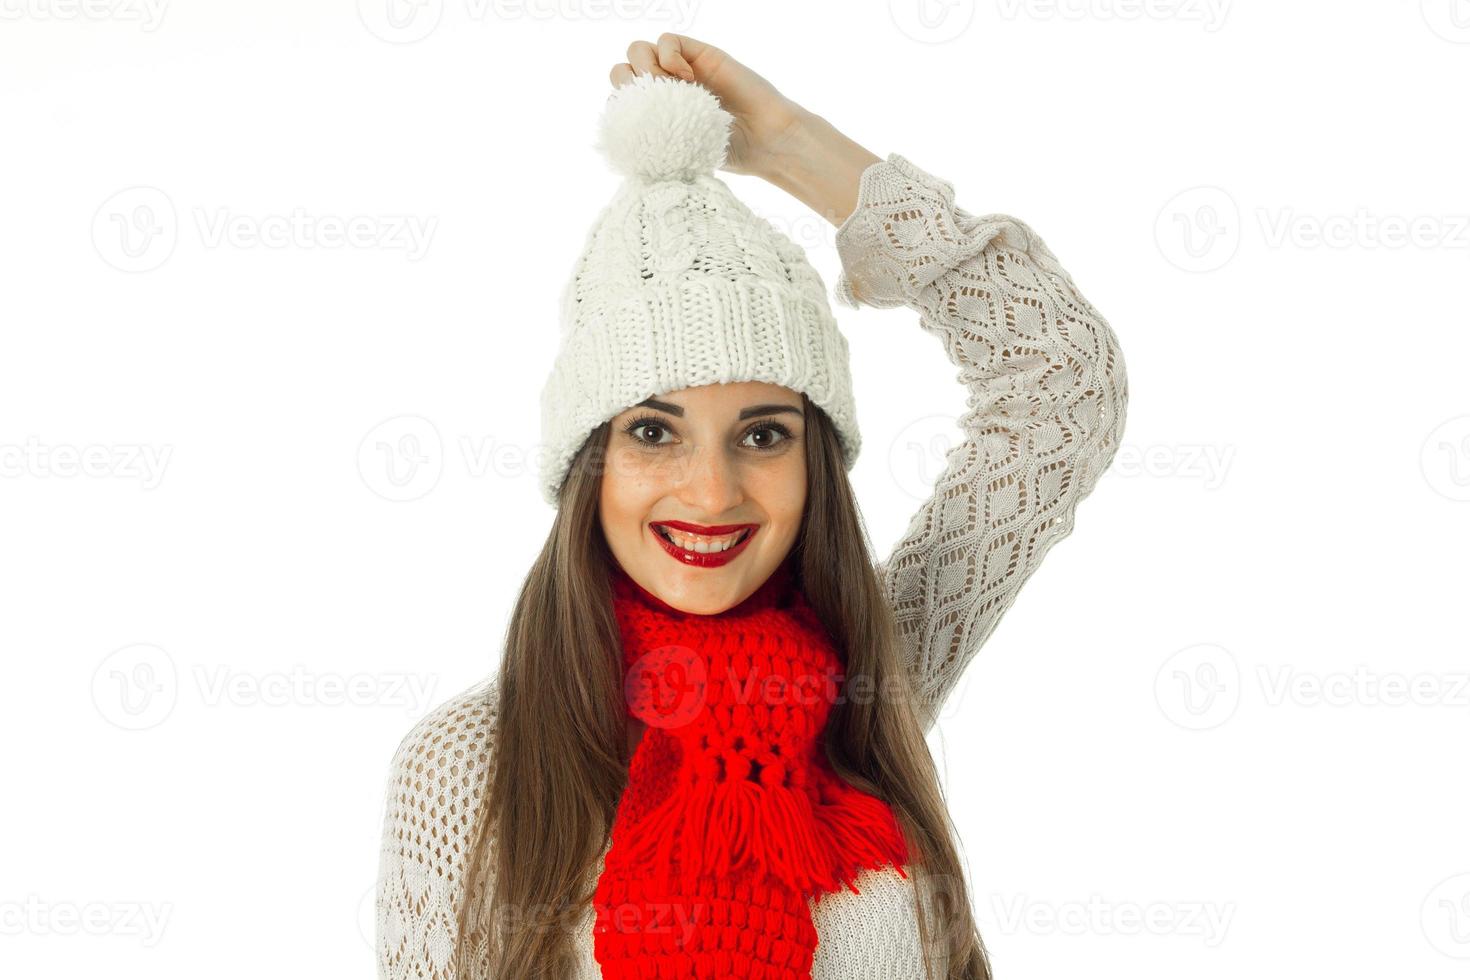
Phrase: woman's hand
{"type": "Point", "coordinates": [766, 121]}
{"type": "Point", "coordinates": [772, 137]}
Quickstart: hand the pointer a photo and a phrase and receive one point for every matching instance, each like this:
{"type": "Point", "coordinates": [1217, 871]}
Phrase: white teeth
{"type": "Point", "coordinates": [702, 545]}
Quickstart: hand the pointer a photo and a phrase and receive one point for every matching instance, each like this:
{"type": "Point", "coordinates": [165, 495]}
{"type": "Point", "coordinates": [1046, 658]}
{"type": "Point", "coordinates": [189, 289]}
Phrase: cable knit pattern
{"type": "Point", "coordinates": [1047, 397]}
{"type": "Point", "coordinates": [680, 285]}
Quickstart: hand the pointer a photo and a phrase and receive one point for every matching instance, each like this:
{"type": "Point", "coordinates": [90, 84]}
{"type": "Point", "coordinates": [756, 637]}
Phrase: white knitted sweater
{"type": "Point", "coordinates": [1047, 400]}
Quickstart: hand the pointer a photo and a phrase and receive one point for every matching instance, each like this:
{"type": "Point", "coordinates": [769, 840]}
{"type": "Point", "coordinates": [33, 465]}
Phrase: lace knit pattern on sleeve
{"type": "Point", "coordinates": [433, 797]}
{"type": "Point", "coordinates": [1046, 405]}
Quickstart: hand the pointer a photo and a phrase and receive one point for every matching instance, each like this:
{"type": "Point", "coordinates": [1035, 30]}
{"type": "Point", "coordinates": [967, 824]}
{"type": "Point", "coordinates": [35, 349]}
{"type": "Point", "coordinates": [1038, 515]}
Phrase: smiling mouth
{"type": "Point", "coordinates": [703, 543]}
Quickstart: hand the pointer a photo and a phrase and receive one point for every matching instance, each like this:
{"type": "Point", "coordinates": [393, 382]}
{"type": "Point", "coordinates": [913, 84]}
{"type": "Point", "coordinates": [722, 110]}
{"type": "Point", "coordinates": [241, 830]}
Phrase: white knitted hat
{"type": "Point", "coordinates": [681, 285]}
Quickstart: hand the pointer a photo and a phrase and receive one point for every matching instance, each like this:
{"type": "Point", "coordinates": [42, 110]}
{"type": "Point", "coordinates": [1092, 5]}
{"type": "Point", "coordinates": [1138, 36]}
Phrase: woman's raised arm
{"type": "Point", "coordinates": [1048, 396]}
{"type": "Point", "coordinates": [1048, 392]}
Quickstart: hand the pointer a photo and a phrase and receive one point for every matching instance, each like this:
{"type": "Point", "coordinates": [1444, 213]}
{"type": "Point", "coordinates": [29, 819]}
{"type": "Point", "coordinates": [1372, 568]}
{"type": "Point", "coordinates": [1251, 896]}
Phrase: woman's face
{"type": "Point", "coordinates": [709, 457]}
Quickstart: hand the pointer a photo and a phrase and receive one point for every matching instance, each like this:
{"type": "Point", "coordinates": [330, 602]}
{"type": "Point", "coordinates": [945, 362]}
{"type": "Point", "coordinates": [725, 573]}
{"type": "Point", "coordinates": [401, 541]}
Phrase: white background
{"type": "Point", "coordinates": [1232, 703]}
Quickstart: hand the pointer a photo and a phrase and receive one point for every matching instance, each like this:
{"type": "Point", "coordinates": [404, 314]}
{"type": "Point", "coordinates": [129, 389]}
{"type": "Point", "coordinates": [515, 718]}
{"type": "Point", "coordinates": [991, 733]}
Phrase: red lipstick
{"type": "Point", "coordinates": [697, 559]}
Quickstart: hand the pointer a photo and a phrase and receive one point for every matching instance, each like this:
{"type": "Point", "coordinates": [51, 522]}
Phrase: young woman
{"type": "Point", "coordinates": [703, 754]}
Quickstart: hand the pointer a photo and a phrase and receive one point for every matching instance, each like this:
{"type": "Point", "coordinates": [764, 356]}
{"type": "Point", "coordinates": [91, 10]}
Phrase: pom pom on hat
{"type": "Point", "coordinates": [659, 127]}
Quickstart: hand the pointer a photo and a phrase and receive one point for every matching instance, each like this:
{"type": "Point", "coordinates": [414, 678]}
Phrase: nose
{"type": "Point", "coordinates": [711, 482]}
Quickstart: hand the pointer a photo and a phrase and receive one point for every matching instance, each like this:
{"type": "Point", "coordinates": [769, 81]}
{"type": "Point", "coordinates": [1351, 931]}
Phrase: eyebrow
{"type": "Point", "coordinates": [745, 413]}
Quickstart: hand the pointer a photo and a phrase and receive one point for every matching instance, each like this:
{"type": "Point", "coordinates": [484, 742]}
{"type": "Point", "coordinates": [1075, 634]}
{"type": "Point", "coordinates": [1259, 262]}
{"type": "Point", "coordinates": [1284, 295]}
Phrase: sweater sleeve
{"type": "Point", "coordinates": [1046, 406]}
{"type": "Point", "coordinates": [435, 785]}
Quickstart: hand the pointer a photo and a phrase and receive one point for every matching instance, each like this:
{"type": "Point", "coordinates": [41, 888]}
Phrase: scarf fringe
{"type": "Point", "coordinates": [708, 827]}
{"type": "Point", "coordinates": [865, 829]}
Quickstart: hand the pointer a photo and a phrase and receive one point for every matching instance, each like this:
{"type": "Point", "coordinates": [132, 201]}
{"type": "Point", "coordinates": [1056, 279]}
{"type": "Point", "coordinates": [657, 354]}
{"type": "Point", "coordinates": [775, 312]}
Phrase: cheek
{"type": "Point", "coordinates": [631, 481]}
{"type": "Point", "coordinates": [633, 473]}
{"type": "Point", "coordinates": [630, 488]}
{"type": "Point", "coordinates": [781, 492]}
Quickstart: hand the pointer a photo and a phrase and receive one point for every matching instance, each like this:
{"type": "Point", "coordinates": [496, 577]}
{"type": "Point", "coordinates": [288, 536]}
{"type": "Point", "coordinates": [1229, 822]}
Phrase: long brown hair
{"type": "Point", "coordinates": [561, 759]}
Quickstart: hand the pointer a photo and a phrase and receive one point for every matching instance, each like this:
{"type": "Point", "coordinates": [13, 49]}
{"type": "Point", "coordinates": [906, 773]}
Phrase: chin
{"type": "Point", "coordinates": [701, 600]}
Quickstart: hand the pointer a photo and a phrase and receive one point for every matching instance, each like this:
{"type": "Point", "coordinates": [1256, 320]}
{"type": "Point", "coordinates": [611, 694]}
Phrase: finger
{"type": "Point", "coordinates": [620, 74]}
{"type": "Point", "coordinates": [672, 58]}
{"type": "Point", "coordinates": [690, 49]}
{"type": "Point", "coordinates": [644, 59]}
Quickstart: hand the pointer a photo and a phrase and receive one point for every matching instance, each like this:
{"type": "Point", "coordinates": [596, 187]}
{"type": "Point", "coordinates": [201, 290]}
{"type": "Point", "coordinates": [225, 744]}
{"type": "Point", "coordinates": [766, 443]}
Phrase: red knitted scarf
{"type": "Point", "coordinates": [732, 816]}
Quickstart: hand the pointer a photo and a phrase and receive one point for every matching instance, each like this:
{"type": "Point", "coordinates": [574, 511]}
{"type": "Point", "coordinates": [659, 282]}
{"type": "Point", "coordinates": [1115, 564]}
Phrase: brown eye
{"type": "Point", "coordinates": [640, 428]}
{"type": "Point", "coordinates": [769, 435]}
